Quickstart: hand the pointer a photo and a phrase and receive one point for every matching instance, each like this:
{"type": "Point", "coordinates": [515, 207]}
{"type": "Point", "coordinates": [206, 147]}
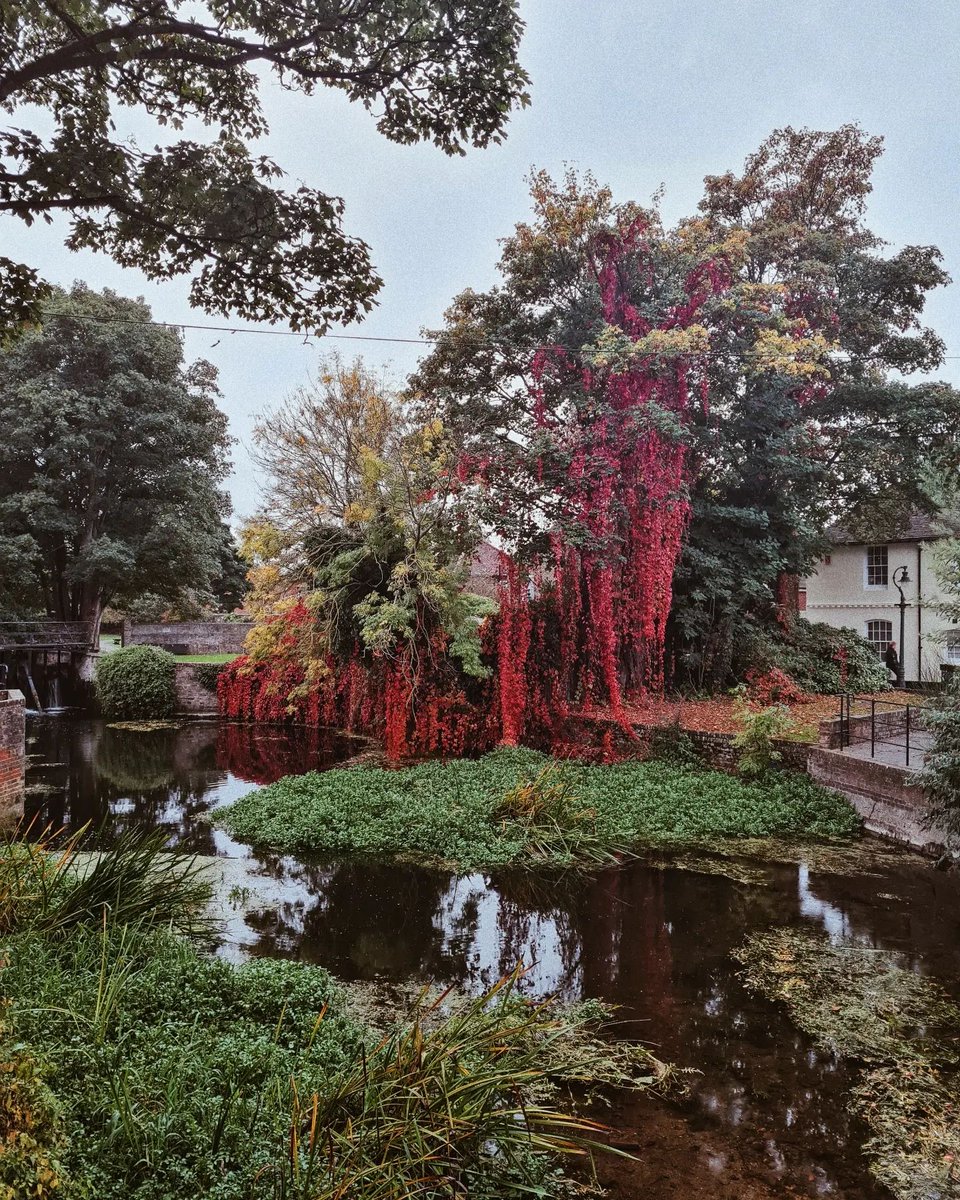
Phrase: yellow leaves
{"type": "Point", "coordinates": [698, 239]}
{"type": "Point", "coordinates": [672, 342]}
{"type": "Point", "coordinates": [357, 514]}
{"type": "Point", "coordinates": [616, 349]}
{"type": "Point", "coordinates": [797, 356]}
{"type": "Point", "coordinates": [260, 540]}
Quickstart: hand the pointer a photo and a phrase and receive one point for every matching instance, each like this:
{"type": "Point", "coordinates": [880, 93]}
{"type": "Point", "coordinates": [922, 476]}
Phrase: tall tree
{"type": "Point", "coordinates": [364, 511]}
{"type": "Point", "coordinates": [318, 447]}
{"type": "Point", "coordinates": [110, 464]}
{"type": "Point", "coordinates": [837, 433]}
{"type": "Point", "coordinates": [802, 352]}
{"type": "Point", "coordinates": [446, 72]}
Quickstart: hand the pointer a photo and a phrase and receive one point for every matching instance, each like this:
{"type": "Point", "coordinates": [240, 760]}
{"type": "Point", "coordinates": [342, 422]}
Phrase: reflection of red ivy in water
{"type": "Point", "coordinates": [261, 754]}
{"type": "Point", "coordinates": [595, 631]}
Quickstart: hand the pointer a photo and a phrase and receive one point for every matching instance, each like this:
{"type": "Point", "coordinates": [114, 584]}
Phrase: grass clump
{"type": "Point", "coordinates": [901, 1029]}
{"type": "Point", "coordinates": [137, 882]}
{"type": "Point", "coordinates": [136, 684]}
{"type": "Point", "coordinates": [515, 807]}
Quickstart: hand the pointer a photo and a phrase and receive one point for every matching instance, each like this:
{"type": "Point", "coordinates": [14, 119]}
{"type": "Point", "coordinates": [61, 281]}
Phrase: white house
{"type": "Point", "coordinates": [855, 586]}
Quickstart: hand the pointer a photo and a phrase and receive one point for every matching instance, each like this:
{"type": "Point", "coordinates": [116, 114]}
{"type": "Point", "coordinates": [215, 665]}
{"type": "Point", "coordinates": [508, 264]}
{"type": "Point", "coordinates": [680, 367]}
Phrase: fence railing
{"type": "Point", "coordinates": [48, 634]}
{"type": "Point", "coordinates": [881, 722]}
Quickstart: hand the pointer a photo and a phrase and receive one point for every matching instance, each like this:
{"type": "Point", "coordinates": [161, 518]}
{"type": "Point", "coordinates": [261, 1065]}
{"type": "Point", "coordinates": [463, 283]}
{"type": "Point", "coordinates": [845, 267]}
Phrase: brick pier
{"type": "Point", "coordinates": [12, 755]}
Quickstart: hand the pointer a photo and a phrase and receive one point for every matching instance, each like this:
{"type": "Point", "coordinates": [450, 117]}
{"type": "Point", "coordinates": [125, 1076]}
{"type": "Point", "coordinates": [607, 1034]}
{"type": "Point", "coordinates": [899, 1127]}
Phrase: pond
{"type": "Point", "coordinates": [765, 1115]}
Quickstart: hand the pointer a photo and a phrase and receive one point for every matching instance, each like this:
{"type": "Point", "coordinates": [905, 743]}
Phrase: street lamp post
{"type": "Point", "coordinates": [900, 576]}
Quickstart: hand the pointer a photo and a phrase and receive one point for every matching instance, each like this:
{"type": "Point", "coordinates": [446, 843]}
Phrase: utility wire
{"type": "Point", "coordinates": [305, 337]}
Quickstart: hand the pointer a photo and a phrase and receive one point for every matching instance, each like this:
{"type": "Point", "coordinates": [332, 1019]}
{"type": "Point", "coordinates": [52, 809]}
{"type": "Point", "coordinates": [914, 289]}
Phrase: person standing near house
{"type": "Point", "coordinates": [892, 662]}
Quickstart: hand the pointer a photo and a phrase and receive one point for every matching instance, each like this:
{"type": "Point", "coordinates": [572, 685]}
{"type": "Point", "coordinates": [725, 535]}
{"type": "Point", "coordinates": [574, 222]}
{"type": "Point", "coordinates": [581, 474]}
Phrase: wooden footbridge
{"type": "Point", "coordinates": [44, 652]}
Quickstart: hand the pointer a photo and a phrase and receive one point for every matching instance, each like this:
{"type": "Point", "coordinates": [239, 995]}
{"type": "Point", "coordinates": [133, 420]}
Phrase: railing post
{"type": "Point", "coordinates": [908, 736]}
{"type": "Point", "coordinates": [873, 728]}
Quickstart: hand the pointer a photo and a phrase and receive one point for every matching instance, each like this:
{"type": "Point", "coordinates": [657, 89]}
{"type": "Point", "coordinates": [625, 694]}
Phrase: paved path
{"type": "Point", "coordinates": [893, 749]}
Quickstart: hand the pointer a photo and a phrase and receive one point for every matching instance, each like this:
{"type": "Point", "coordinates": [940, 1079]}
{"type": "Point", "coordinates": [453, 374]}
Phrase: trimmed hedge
{"type": "Point", "coordinates": [136, 684]}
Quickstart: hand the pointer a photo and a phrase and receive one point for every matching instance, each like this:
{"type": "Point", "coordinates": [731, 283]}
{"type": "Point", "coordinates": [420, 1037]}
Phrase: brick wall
{"type": "Point", "coordinates": [192, 696]}
{"type": "Point", "coordinates": [12, 755]}
{"type": "Point", "coordinates": [190, 637]}
{"type": "Point", "coordinates": [716, 749]}
{"type": "Point", "coordinates": [881, 794]}
{"type": "Point", "coordinates": [888, 723]}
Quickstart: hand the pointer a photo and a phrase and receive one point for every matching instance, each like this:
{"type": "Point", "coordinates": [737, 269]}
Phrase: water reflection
{"type": "Point", "coordinates": [83, 772]}
{"type": "Point", "coordinates": [765, 1117]}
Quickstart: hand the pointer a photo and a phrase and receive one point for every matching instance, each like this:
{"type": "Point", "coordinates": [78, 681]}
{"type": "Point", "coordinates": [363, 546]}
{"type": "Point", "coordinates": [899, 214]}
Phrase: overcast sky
{"type": "Point", "coordinates": [641, 93]}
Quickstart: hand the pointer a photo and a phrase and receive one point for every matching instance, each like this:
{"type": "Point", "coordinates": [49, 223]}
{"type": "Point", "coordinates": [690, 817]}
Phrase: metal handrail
{"type": "Point", "coordinates": [847, 699]}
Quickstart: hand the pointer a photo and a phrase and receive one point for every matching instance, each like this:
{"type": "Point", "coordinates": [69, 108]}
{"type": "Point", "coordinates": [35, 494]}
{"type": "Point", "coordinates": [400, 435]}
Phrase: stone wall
{"type": "Point", "coordinates": [881, 794]}
{"type": "Point", "coordinates": [190, 637]}
{"type": "Point", "coordinates": [12, 755]}
{"type": "Point", "coordinates": [192, 696]}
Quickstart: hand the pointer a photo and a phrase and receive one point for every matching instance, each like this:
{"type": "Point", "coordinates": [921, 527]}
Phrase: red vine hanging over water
{"type": "Point", "coordinates": [586, 628]}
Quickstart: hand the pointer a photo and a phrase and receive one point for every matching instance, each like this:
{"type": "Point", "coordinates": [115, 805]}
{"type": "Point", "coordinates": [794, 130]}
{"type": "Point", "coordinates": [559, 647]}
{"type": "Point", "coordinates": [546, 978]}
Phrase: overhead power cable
{"type": "Point", "coordinates": [305, 338]}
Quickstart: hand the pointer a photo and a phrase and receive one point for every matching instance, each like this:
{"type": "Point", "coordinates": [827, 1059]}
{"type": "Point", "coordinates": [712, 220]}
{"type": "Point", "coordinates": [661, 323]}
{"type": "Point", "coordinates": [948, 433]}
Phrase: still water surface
{"type": "Point", "coordinates": [765, 1117]}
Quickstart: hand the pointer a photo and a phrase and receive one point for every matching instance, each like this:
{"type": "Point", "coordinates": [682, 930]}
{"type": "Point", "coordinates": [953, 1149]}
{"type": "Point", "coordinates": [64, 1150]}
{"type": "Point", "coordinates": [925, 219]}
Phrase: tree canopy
{"type": "Point", "coordinates": [801, 352]}
{"type": "Point", "coordinates": [110, 464]}
{"type": "Point", "coordinates": [364, 515]}
{"type": "Point", "coordinates": [445, 72]}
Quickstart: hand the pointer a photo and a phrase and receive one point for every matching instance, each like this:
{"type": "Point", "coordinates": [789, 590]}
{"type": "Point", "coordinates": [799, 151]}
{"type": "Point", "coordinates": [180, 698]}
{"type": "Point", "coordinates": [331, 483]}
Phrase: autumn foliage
{"type": "Point", "coordinates": [584, 628]}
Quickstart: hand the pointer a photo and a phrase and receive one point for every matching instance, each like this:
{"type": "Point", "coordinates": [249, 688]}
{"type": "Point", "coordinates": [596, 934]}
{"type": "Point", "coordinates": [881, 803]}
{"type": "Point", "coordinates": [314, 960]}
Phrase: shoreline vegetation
{"type": "Point", "coordinates": [516, 807]}
{"type": "Point", "coordinates": [898, 1027]}
{"type": "Point", "coordinates": [135, 1067]}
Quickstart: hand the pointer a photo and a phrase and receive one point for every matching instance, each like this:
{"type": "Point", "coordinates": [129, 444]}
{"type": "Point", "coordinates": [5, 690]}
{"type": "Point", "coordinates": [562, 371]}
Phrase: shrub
{"type": "Point", "coordinates": [773, 687]}
{"type": "Point", "coordinates": [136, 684]}
{"type": "Point", "coordinates": [820, 658]}
{"type": "Point", "coordinates": [940, 775]}
{"type": "Point", "coordinates": [754, 740]}
{"type": "Point", "coordinates": [31, 1129]}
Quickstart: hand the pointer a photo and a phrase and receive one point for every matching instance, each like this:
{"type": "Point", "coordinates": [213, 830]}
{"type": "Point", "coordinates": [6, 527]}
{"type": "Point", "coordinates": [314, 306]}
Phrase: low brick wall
{"type": "Point", "coordinates": [889, 723]}
{"type": "Point", "coordinates": [12, 755]}
{"type": "Point", "coordinates": [192, 696]}
{"type": "Point", "coordinates": [882, 796]}
{"type": "Point", "coordinates": [190, 637]}
{"type": "Point", "coordinates": [716, 749]}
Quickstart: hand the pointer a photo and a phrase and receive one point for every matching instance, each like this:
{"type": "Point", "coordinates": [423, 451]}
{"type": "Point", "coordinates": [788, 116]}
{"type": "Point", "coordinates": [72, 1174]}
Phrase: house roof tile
{"type": "Point", "coordinates": [919, 527]}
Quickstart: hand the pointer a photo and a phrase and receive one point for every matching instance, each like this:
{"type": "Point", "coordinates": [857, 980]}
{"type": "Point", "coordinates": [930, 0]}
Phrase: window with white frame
{"type": "Point", "coordinates": [951, 651]}
{"type": "Point", "coordinates": [877, 573]}
{"type": "Point", "coordinates": [880, 635]}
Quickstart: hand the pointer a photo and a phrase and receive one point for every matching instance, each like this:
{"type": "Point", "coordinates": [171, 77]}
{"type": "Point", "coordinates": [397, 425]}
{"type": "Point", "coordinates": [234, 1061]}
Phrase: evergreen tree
{"type": "Point", "coordinates": [111, 462]}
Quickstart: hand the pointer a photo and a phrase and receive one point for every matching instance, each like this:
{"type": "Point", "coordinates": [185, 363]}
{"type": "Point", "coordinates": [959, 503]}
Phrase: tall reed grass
{"type": "Point", "coordinates": [54, 887]}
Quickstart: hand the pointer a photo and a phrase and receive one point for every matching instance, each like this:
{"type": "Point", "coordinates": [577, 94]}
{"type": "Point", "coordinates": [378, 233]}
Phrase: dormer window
{"type": "Point", "coordinates": [877, 573]}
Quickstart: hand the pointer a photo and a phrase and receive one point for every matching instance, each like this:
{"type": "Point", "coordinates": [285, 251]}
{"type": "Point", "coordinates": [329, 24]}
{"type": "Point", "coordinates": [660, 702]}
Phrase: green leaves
{"type": "Point", "coordinates": [442, 72]}
{"type": "Point", "coordinates": [110, 468]}
{"type": "Point", "coordinates": [453, 812]}
{"type": "Point", "coordinates": [136, 683]}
